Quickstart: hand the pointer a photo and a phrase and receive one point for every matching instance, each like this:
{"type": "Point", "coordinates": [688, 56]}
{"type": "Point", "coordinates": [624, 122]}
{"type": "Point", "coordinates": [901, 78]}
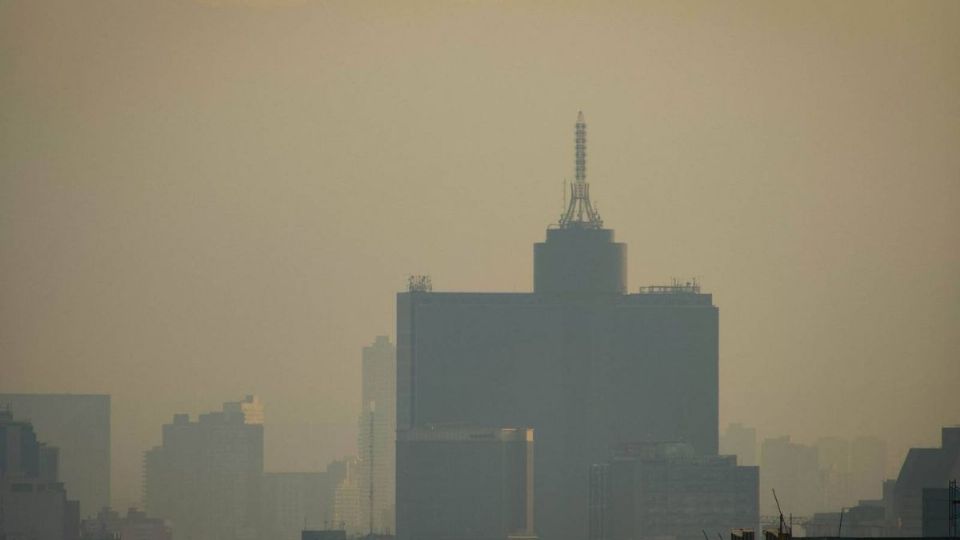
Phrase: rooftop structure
{"type": "Point", "coordinates": [580, 212]}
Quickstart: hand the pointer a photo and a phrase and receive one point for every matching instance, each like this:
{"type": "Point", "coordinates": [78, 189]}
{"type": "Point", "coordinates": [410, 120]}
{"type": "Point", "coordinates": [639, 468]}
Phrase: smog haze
{"type": "Point", "coordinates": [202, 200]}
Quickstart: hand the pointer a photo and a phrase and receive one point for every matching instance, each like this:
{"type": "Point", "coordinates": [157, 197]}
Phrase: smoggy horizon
{"type": "Point", "coordinates": [203, 200]}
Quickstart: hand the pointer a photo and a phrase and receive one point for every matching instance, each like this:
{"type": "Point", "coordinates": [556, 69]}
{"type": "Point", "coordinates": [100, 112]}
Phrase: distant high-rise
{"type": "Point", "coordinates": [346, 500]}
{"type": "Point", "coordinates": [365, 497]}
{"type": "Point", "coordinates": [741, 441]}
{"type": "Point", "coordinates": [376, 472]}
{"type": "Point", "coordinates": [833, 460]}
{"type": "Point", "coordinates": [79, 425]}
{"type": "Point", "coordinates": [587, 364]}
{"type": "Point", "coordinates": [292, 501]}
{"type": "Point", "coordinates": [868, 467]}
{"type": "Point", "coordinates": [205, 476]}
{"type": "Point", "coordinates": [465, 483]}
{"type": "Point", "coordinates": [793, 470]}
{"type": "Point", "coordinates": [33, 502]}
{"type": "Point", "coordinates": [850, 471]}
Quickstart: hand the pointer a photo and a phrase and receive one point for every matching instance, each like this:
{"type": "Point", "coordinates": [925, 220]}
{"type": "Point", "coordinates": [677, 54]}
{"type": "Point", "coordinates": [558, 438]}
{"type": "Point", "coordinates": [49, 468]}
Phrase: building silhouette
{"type": "Point", "coordinates": [915, 504]}
{"type": "Point", "coordinates": [365, 496]}
{"type": "Point", "coordinates": [587, 364]}
{"type": "Point", "coordinates": [793, 470]}
{"type": "Point", "coordinates": [33, 501]}
{"type": "Point", "coordinates": [741, 441]}
{"type": "Point", "coordinates": [346, 499]}
{"type": "Point", "coordinates": [465, 482]}
{"type": "Point", "coordinates": [205, 476]}
{"type": "Point", "coordinates": [667, 490]}
{"type": "Point", "coordinates": [924, 468]}
{"type": "Point", "coordinates": [936, 511]}
{"type": "Point", "coordinates": [868, 467]}
{"type": "Point", "coordinates": [292, 501]}
{"type": "Point", "coordinates": [862, 520]}
{"type": "Point", "coordinates": [850, 471]}
{"type": "Point", "coordinates": [836, 483]}
{"type": "Point", "coordinates": [79, 425]}
{"type": "Point", "coordinates": [376, 467]}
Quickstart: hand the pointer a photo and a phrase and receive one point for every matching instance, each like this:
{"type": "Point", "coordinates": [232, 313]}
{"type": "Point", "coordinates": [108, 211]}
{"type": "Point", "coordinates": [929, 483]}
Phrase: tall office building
{"type": "Point", "coordinates": [205, 476]}
{"type": "Point", "coordinates": [850, 471]}
{"type": "Point", "coordinates": [376, 471]}
{"type": "Point", "coordinates": [346, 500]}
{"type": "Point", "coordinates": [833, 460]}
{"type": "Point", "coordinates": [465, 483]}
{"type": "Point", "coordinates": [33, 502]}
{"type": "Point", "coordinates": [79, 425]}
{"type": "Point", "coordinates": [666, 490]}
{"type": "Point", "coordinates": [585, 363]}
{"type": "Point", "coordinates": [868, 467]}
{"type": "Point", "coordinates": [794, 471]}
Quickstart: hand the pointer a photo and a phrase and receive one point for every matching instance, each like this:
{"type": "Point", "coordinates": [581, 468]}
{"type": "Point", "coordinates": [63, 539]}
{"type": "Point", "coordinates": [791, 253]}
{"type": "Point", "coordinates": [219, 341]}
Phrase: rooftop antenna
{"type": "Point", "coordinates": [580, 213]}
{"type": "Point", "coordinates": [840, 526]}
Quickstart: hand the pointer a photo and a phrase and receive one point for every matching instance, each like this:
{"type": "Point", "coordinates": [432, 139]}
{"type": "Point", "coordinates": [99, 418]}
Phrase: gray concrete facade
{"type": "Point", "coordinates": [585, 364]}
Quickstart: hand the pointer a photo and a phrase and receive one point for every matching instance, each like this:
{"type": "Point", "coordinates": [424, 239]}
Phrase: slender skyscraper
{"type": "Point", "coordinates": [377, 437]}
{"type": "Point", "coordinates": [588, 365]}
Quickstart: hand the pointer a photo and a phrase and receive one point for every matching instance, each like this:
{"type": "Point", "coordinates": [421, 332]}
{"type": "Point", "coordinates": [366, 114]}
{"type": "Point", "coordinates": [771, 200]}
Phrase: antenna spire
{"type": "Point", "coordinates": [580, 213]}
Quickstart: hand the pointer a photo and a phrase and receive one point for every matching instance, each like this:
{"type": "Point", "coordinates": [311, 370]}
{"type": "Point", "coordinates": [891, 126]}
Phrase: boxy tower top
{"type": "Point", "coordinates": [579, 256]}
{"type": "Point", "coordinates": [580, 213]}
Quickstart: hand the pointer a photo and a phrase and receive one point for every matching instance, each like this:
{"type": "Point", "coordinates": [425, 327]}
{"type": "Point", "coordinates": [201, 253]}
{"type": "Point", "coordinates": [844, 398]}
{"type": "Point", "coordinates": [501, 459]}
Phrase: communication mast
{"type": "Point", "coordinates": [580, 213]}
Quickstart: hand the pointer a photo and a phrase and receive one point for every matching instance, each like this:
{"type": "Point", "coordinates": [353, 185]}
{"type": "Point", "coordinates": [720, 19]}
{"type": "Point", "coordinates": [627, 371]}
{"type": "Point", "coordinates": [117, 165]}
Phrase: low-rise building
{"type": "Point", "coordinates": [135, 525]}
{"type": "Point", "coordinates": [465, 483]}
{"type": "Point", "coordinates": [667, 490]}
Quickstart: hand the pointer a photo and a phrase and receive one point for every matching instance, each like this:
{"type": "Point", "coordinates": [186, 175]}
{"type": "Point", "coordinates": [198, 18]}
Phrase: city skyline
{"type": "Point", "coordinates": [166, 203]}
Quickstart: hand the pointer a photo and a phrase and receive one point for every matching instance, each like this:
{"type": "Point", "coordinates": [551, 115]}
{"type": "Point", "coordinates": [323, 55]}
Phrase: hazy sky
{"type": "Point", "coordinates": [200, 200]}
